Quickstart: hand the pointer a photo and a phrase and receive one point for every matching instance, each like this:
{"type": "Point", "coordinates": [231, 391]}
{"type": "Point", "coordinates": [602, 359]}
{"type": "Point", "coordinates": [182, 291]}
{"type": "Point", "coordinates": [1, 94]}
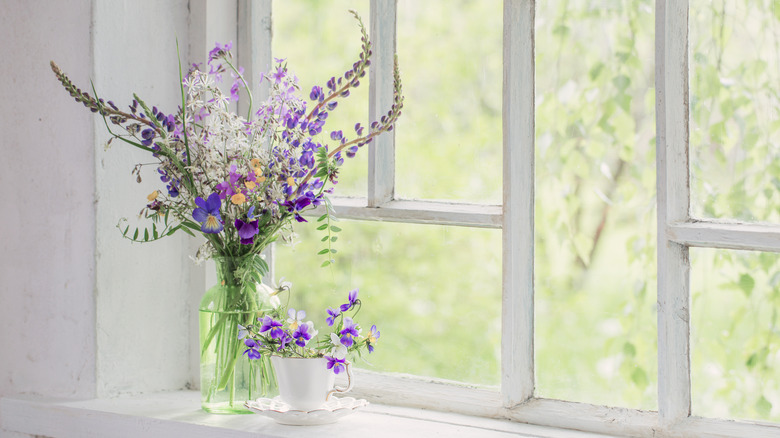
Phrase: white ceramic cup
{"type": "Point", "coordinates": [306, 383]}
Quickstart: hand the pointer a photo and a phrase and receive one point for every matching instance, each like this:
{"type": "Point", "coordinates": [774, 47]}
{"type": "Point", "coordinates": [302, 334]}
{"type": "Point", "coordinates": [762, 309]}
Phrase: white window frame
{"type": "Point", "coordinates": [677, 231]}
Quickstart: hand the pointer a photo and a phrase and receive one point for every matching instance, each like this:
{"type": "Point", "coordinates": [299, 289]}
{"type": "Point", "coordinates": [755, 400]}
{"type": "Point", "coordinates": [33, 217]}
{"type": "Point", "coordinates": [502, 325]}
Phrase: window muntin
{"type": "Point", "coordinates": [735, 109]}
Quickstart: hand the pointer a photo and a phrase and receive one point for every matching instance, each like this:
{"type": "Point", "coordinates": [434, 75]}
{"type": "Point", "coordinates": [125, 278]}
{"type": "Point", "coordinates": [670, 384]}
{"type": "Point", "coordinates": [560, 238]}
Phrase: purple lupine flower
{"type": "Point", "coordinates": [252, 352]}
{"type": "Point", "coordinates": [148, 136]}
{"type": "Point", "coordinates": [373, 336]}
{"type": "Point", "coordinates": [332, 84]}
{"type": "Point", "coordinates": [352, 300]}
{"type": "Point", "coordinates": [307, 159]}
{"type": "Point", "coordinates": [316, 93]}
{"type": "Point", "coordinates": [349, 332]}
{"type": "Point", "coordinates": [336, 135]}
{"type": "Point", "coordinates": [332, 315]}
{"type": "Point", "coordinates": [207, 214]}
{"type": "Point", "coordinates": [297, 206]}
{"type": "Point", "coordinates": [246, 231]}
{"type": "Point", "coordinates": [337, 365]}
{"type": "Point", "coordinates": [173, 188]}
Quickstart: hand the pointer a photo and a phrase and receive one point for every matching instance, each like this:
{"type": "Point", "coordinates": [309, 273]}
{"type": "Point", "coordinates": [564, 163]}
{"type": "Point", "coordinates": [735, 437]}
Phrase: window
{"type": "Point", "coordinates": [599, 300]}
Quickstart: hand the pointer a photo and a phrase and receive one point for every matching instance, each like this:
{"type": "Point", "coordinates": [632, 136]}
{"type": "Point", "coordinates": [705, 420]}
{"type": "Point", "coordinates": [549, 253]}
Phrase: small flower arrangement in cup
{"type": "Point", "coordinates": [283, 332]}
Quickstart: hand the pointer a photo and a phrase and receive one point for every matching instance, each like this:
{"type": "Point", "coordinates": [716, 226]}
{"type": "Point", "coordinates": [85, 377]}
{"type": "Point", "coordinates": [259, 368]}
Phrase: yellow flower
{"type": "Point", "coordinates": [238, 198]}
{"type": "Point", "coordinates": [261, 179]}
{"type": "Point", "coordinates": [250, 185]}
{"type": "Point", "coordinates": [259, 172]}
{"type": "Point", "coordinates": [290, 181]}
{"type": "Point", "coordinates": [255, 162]}
{"type": "Point", "coordinates": [152, 196]}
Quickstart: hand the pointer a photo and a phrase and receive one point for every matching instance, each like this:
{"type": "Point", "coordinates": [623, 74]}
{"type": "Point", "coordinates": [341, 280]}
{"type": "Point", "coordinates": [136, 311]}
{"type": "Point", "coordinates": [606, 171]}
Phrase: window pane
{"type": "Point", "coordinates": [735, 334]}
{"type": "Point", "coordinates": [320, 39]}
{"type": "Point", "coordinates": [734, 109]}
{"type": "Point", "coordinates": [433, 291]}
{"type": "Point", "coordinates": [449, 136]}
{"type": "Point", "coordinates": [595, 256]}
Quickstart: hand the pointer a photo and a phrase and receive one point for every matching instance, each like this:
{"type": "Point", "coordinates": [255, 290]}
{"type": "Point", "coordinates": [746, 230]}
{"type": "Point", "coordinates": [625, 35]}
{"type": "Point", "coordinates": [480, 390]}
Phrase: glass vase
{"type": "Point", "coordinates": [228, 378]}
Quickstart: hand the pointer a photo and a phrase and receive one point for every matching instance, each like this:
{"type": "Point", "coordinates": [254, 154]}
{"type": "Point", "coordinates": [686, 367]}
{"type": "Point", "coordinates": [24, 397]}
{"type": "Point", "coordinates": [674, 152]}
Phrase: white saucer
{"type": "Point", "coordinates": [280, 411]}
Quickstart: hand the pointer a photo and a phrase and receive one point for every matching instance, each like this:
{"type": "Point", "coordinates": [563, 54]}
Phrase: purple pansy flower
{"type": "Point", "coordinates": [303, 333]}
{"type": "Point", "coordinates": [246, 231]}
{"type": "Point", "coordinates": [268, 323]}
{"type": "Point", "coordinates": [332, 315]}
{"type": "Point", "coordinates": [373, 336]}
{"type": "Point", "coordinates": [352, 300]}
{"type": "Point", "coordinates": [337, 365]}
{"type": "Point", "coordinates": [207, 214]}
{"type": "Point", "coordinates": [349, 332]}
{"type": "Point", "coordinates": [284, 339]}
{"type": "Point", "coordinates": [252, 352]}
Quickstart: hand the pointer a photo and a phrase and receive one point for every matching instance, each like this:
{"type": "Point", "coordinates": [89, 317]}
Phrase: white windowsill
{"type": "Point", "coordinates": [178, 414]}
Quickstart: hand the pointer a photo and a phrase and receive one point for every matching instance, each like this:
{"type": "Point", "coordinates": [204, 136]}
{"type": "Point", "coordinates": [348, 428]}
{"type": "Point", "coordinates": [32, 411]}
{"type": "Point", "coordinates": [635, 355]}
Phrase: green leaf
{"type": "Point", "coordinates": [325, 263]}
{"type": "Point", "coordinates": [333, 251]}
{"type": "Point", "coordinates": [629, 349]}
{"type": "Point", "coordinates": [135, 235]}
{"type": "Point", "coordinates": [324, 239]}
{"type": "Point", "coordinates": [746, 283]}
{"type": "Point", "coordinates": [596, 70]}
{"type": "Point", "coordinates": [323, 217]}
{"type": "Point", "coordinates": [639, 377]}
{"type": "Point", "coordinates": [323, 251]}
{"type": "Point", "coordinates": [763, 406]}
{"type": "Point", "coordinates": [154, 231]}
{"type": "Point", "coordinates": [322, 227]}
{"type": "Point", "coordinates": [334, 238]}
{"type": "Point", "coordinates": [752, 360]}
{"type": "Point", "coordinates": [335, 229]}
{"type": "Point", "coordinates": [621, 82]}
{"type": "Point", "coordinates": [146, 235]}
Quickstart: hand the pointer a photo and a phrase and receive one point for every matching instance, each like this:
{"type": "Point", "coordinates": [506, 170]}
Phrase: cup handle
{"type": "Point", "coordinates": [350, 382]}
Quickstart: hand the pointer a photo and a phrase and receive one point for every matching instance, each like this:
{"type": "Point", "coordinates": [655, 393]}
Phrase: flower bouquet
{"type": "Point", "coordinates": [291, 341]}
{"type": "Point", "coordinates": [285, 333]}
{"type": "Point", "coordinates": [240, 181]}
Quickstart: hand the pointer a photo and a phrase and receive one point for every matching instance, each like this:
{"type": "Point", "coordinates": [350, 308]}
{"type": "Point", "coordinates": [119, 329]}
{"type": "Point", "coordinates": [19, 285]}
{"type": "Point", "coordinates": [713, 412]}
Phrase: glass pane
{"type": "Point", "coordinates": [735, 109]}
{"type": "Point", "coordinates": [595, 257]}
{"type": "Point", "coordinates": [320, 39]}
{"type": "Point", "coordinates": [735, 334]}
{"type": "Point", "coordinates": [433, 291]}
{"type": "Point", "coordinates": [448, 141]}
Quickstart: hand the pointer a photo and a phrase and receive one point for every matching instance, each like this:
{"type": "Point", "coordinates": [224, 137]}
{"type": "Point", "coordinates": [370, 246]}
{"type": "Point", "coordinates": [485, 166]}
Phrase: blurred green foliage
{"type": "Point", "coordinates": [435, 291]}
